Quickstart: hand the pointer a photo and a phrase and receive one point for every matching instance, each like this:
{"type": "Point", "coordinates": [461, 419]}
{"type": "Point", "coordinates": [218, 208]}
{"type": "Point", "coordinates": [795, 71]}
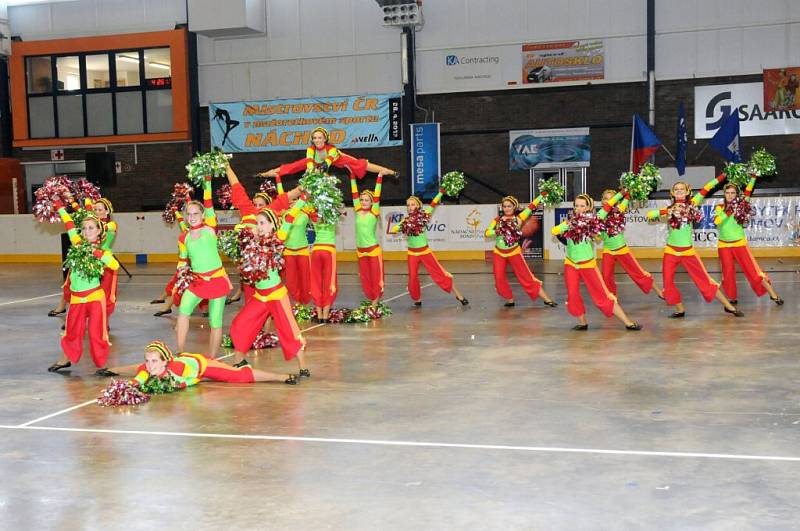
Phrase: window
{"type": "Point", "coordinates": [118, 92]}
{"type": "Point", "coordinates": [40, 75]}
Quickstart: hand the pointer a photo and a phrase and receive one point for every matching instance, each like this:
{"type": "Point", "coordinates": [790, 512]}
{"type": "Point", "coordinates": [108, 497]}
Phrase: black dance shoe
{"type": "Point", "coordinates": [552, 304]}
{"type": "Point", "coordinates": [777, 300]}
{"type": "Point", "coordinates": [633, 326]}
{"type": "Point", "coordinates": [580, 327]}
{"type": "Point", "coordinates": [463, 301]}
{"type": "Point", "coordinates": [162, 313]}
{"type": "Point", "coordinates": [241, 364]}
{"type": "Point", "coordinates": [304, 373]}
{"type": "Point", "coordinates": [291, 380]}
{"type": "Point", "coordinates": [58, 366]}
{"type": "Point", "coordinates": [510, 304]}
{"type": "Point", "coordinates": [105, 373]}
{"type": "Point", "coordinates": [735, 312]}
{"type": "Point", "coordinates": [678, 315]}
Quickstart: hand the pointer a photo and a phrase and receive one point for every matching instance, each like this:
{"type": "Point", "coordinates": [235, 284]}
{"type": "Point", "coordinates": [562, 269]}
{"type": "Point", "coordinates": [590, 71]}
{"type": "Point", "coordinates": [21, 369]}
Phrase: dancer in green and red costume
{"type": "Point", "coordinates": [270, 299]}
{"type": "Point", "coordinates": [87, 303]}
{"type": "Point", "coordinates": [324, 286]}
{"type": "Point", "coordinates": [580, 230]}
{"type": "Point", "coordinates": [367, 207]}
{"type": "Point", "coordinates": [198, 247]}
{"type": "Point", "coordinates": [187, 369]}
{"type": "Point", "coordinates": [322, 155]}
{"type": "Point", "coordinates": [731, 215]}
{"type": "Point", "coordinates": [505, 229]}
{"type": "Point", "coordinates": [615, 248]}
{"type": "Point", "coordinates": [681, 215]}
{"type": "Point", "coordinates": [248, 209]}
{"type": "Point", "coordinates": [413, 225]}
{"type": "Point", "coordinates": [297, 271]}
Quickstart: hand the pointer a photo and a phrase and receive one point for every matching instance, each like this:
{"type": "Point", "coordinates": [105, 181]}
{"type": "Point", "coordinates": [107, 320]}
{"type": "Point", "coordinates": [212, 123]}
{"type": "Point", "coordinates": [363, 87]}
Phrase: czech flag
{"type": "Point", "coordinates": [643, 143]}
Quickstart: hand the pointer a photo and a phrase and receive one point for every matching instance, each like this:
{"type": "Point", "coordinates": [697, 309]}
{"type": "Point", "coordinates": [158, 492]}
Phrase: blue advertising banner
{"type": "Point", "coordinates": [360, 121]}
{"type": "Point", "coordinates": [427, 161]}
{"type": "Point", "coordinates": [549, 148]}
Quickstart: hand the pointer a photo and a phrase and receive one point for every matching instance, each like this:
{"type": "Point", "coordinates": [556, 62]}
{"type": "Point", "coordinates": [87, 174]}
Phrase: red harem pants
{"type": "Point", "coordinates": [728, 255]}
{"type": "Point", "coordinates": [298, 275]}
{"type": "Point", "coordinates": [694, 266]}
{"type": "Point", "coordinates": [219, 372]}
{"type": "Point", "coordinates": [424, 256]}
{"type": "Point", "coordinates": [323, 275]}
{"type": "Point", "coordinates": [65, 288]}
{"type": "Point", "coordinates": [370, 270]}
{"type": "Point", "coordinates": [247, 290]}
{"type": "Point", "coordinates": [86, 306]}
{"type": "Point", "coordinates": [588, 272]}
{"type": "Point", "coordinates": [642, 278]}
{"type": "Point", "coordinates": [500, 260]}
{"type": "Point", "coordinates": [251, 318]}
{"type": "Point", "coordinates": [109, 284]}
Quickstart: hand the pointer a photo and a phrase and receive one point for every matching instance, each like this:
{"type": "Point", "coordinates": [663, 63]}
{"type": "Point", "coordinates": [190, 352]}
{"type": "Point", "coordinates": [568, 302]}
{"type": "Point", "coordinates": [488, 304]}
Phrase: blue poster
{"type": "Point", "coordinates": [360, 121]}
{"type": "Point", "coordinates": [549, 148]}
{"type": "Point", "coordinates": [427, 165]}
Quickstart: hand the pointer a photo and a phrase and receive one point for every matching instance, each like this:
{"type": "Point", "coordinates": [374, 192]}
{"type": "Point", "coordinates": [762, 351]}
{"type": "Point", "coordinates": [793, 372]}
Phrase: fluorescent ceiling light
{"type": "Point", "coordinates": [13, 3]}
{"type": "Point", "coordinates": [128, 59]}
{"type": "Point", "coordinates": [158, 65]}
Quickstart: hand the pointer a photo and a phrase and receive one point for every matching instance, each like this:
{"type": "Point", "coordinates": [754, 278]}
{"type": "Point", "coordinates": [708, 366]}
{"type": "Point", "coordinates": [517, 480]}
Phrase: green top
{"type": "Point", "coordinates": [578, 251]}
{"type": "Point", "coordinates": [201, 251]}
{"type": "Point", "coordinates": [324, 233]}
{"type": "Point", "coordinates": [273, 275]}
{"type": "Point", "coordinates": [298, 238]}
{"type": "Point", "coordinates": [683, 236]}
{"type": "Point", "coordinates": [421, 239]}
{"type": "Point", "coordinates": [729, 229]}
{"type": "Point", "coordinates": [499, 242]}
{"type": "Point", "coordinates": [77, 281]}
{"type": "Point", "coordinates": [612, 243]}
{"type": "Point", "coordinates": [366, 225]}
{"type": "Point", "coordinates": [111, 234]}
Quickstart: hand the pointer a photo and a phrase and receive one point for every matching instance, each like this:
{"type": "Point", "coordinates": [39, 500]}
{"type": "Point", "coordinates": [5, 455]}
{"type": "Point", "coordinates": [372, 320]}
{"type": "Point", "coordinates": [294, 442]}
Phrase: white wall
{"type": "Point", "coordinates": [82, 18]}
{"type": "Point", "coordinates": [725, 37]}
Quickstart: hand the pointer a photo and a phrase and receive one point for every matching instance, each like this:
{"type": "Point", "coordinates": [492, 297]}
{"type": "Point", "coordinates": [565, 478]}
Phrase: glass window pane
{"type": "Point", "coordinates": [40, 75]}
{"type": "Point", "coordinates": [69, 73]}
{"type": "Point", "coordinates": [127, 69]}
{"type": "Point", "coordinates": [159, 111]}
{"type": "Point", "coordinates": [99, 116]}
{"type": "Point", "coordinates": [129, 113]}
{"type": "Point", "coordinates": [40, 116]}
{"type": "Point", "coordinates": [157, 63]}
{"type": "Point", "coordinates": [97, 75]}
{"type": "Point", "coordinates": [70, 116]}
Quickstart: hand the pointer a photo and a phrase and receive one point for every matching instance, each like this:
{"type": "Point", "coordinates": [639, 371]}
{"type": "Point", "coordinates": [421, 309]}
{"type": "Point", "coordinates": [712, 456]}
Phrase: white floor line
{"type": "Point", "coordinates": [28, 300]}
{"type": "Point", "coordinates": [67, 410]}
{"type": "Point", "coordinates": [420, 444]}
{"type": "Point", "coordinates": [57, 413]}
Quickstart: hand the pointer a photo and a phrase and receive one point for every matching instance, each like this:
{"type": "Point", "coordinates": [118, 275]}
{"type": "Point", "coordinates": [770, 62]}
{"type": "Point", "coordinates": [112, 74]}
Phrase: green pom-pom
{"type": "Point", "coordinates": [227, 341]}
{"type": "Point", "coordinates": [551, 191]}
{"type": "Point", "coordinates": [641, 185]}
{"type": "Point", "coordinates": [80, 261]}
{"type": "Point", "coordinates": [453, 183]}
{"type": "Point", "coordinates": [357, 316]}
{"type": "Point", "coordinates": [303, 313]}
{"type": "Point", "coordinates": [228, 244]}
{"type": "Point", "coordinates": [213, 163]}
{"type": "Point", "coordinates": [78, 216]}
{"type": "Point", "coordinates": [324, 195]}
{"type": "Point", "coordinates": [762, 163]}
{"type": "Point", "coordinates": [737, 173]}
{"type": "Point", "coordinates": [159, 385]}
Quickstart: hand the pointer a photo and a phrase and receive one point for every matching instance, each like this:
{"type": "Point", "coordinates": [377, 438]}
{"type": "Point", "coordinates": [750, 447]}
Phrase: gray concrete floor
{"type": "Point", "coordinates": [438, 417]}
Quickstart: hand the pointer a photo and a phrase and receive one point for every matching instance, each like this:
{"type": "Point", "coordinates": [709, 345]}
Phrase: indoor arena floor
{"type": "Point", "coordinates": [438, 417]}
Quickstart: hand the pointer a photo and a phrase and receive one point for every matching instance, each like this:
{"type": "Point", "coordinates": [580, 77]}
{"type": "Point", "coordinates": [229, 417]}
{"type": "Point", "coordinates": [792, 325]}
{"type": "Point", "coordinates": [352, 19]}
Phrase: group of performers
{"type": "Point", "coordinates": [310, 277]}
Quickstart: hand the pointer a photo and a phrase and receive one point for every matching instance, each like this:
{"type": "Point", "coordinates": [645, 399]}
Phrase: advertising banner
{"type": "Point", "coordinates": [551, 62]}
{"type": "Point", "coordinates": [427, 160]}
{"type": "Point", "coordinates": [714, 103]}
{"type": "Point", "coordinates": [549, 148]}
{"type": "Point", "coordinates": [782, 89]}
{"type": "Point", "coordinates": [476, 68]}
{"type": "Point", "coordinates": [775, 223]}
{"type": "Point", "coordinates": [361, 121]}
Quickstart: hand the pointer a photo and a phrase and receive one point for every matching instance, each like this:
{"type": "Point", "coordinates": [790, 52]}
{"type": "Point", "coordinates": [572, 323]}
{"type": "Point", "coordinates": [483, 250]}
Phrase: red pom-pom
{"type": "Point", "coordinates": [82, 189]}
{"type": "Point", "coordinates": [583, 227]}
{"type": "Point", "coordinates": [224, 196]}
{"type": "Point", "coordinates": [614, 223]}
{"type": "Point", "coordinates": [683, 213]}
{"type": "Point", "coordinates": [741, 211]}
{"type": "Point", "coordinates": [269, 188]}
{"type": "Point", "coordinates": [265, 340]}
{"type": "Point", "coordinates": [510, 231]}
{"type": "Point", "coordinates": [414, 223]}
{"type": "Point", "coordinates": [339, 315]}
{"type": "Point", "coordinates": [184, 280]}
{"type": "Point", "coordinates": [55, 189]}
{"type": "Point", "coordinates": [260, 255]}
{"type": "Point", "coordinates": [119, 393]}
{"type": "Point", "coordinates": [181, 193]}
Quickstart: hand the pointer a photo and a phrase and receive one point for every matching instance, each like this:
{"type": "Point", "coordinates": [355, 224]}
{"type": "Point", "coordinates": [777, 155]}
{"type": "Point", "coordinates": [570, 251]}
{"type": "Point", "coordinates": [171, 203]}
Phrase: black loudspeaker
{"type": "Point", "coordinates": [101, 168]}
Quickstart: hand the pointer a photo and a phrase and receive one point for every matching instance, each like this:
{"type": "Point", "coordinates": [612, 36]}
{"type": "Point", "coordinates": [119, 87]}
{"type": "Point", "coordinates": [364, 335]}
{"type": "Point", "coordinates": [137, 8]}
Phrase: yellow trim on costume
{"type": "Point", "coordinates": [302, 251]}
{"type": "Point", "coordinates": [273, 296]}
{"type": "Point", "coordinates": [419, 251]}
{"type": "Point", "coordinates": [217, 273]}
{"type": "Point", "coordinates": [95, 296]}
{"type": "Point", "coordinates": [375, 252]}
{"type": "Point", "coordinates": [588, 264]}
{"type": "Point", "coordinates": [688, 252]}
{"type": "Point", "coordinates": [738, 243]}
{"type": "Point", "coordinates": [508, 253]}
{"type": "Point", "coordinates": [324, 247]}
{"type": "Point", "coordinates": [618, 251]}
